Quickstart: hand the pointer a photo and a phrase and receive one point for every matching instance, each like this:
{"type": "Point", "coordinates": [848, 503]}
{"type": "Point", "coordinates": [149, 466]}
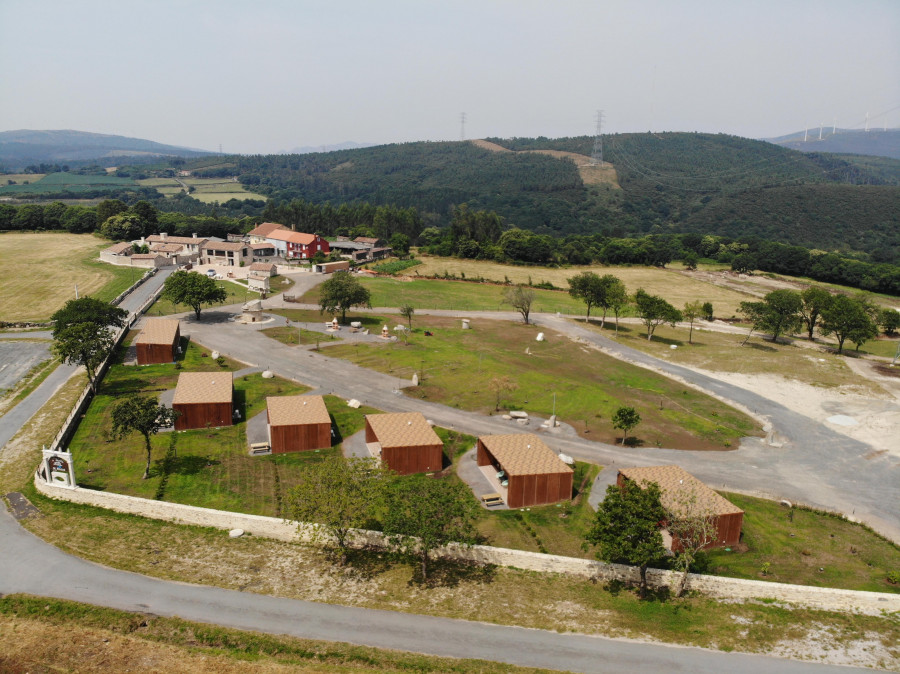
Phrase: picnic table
{"type": "Point", "coordinates": [491, 499]}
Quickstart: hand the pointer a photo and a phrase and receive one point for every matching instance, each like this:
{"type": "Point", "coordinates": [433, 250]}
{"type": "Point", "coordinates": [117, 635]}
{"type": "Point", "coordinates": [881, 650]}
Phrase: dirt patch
{"type": "Point", "coordinates": [887, 371]}
{"type": "Point", "coordinates": [600, 174]}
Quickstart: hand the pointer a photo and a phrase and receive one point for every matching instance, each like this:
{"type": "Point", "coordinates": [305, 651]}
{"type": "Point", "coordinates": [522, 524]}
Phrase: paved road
{"type": "Point", "coordinates": [815, 465]}
{"type": "Point", "coordinates": [30, 565]}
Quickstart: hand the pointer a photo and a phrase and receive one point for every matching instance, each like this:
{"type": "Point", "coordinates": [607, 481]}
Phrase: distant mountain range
{"type": "Point", "coordinates": [875, 142]}
{"type": "Point", "coordinates": [22, 148]}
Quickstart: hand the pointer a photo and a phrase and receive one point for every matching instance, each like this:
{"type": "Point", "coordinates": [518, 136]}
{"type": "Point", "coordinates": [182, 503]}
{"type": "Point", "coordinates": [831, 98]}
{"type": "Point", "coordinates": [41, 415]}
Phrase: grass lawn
{"type": "Point", "coordinates": [455, 367]}
{"type": "Point", "coordinates": [722, 352]}
{"type": "Point", "coordinates": [31, 288]}
{"type": "Point", "coordinates": [884, 347]}
{"type": "Point", "coordinates": [236, 295]}
{"type": "Point", "coordinates": [797, 544]}
{"type": "Point", "coordinates": [676, 287]}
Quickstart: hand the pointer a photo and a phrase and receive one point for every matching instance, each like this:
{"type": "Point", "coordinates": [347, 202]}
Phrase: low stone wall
{"type": "Point", "coordinates": [872, 603]}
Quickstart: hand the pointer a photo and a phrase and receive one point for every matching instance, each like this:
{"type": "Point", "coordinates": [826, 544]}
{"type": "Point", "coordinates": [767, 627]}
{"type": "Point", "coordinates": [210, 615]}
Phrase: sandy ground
{"type": "Point", "coordinates": [877, 418]}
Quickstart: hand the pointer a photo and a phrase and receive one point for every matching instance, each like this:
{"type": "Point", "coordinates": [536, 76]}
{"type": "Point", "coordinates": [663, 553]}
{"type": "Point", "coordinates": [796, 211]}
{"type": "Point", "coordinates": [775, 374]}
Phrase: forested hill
{"type": "Point", "coordinates": [670, 182]}
{"type": "Point", "coordinates": [875, 142]}
{"type": "Point", "coordinates": [19, 149]}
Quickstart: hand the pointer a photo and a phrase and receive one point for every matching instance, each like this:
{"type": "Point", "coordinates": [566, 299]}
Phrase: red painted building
{"type": "Point", "coordinates": [297, 245]}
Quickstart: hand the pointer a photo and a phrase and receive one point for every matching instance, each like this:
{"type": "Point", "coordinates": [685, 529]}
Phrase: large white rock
{"type": "Point", "coordinates": [518, 414]}
{"type": "Point", "coordinates": [268, 374]}
{"type": "Point", "coordinates": [540, 337]}
{"type": "Point", "coordinates": [354, 403]}
{"type": "Point", "coordinates": [565, 458]}
{"type": "Point", "coordinates": [236, 533]}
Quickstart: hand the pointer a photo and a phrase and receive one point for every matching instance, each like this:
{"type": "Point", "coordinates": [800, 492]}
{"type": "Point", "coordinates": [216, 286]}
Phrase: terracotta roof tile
{"type": "Point", "coordinates": [676, 485]}
{"type": "Point", "coordinates": [118, 248]}
{"type": "Point", "coordinates": [262, 266]}
{"type": "Point", "coordinates": [523, 454]}
{"type": "Point", "coordinates": [158, 331]}
{"type": "Point", "coordinates": [297, 410]}
{"type": "Point", "coordinates": [265, 229]}
{"type": "Point", "coordinates": [203, 387]}
{"type": "Point", "coordinates": [405, 429]}
{"type": "Point", "coordinates": [156, 238]}
{"type": "Point", "coordinates": [292, 237]}
{"type": "Point", "coordinates": [224, 245]}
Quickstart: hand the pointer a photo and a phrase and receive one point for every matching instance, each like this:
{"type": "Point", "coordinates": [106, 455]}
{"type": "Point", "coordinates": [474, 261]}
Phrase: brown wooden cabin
{"type": "Point", "coordinates": [535, 473]}
{"type": "Point", "coordinates": [203, 399]}
{"type": "Point", "coordinates": [407, 442]}
{"type": "Point", "coordinates": [298, 423]}
{"type": "Point", "coordinates": [158, 341]}
{"type": "Point", "coordinates": [679, 490]}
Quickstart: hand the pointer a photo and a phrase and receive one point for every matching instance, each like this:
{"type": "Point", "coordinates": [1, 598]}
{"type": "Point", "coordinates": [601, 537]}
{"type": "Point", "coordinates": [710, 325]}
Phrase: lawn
{"type": "Point", "coordinates": [237, 294]}
{"type": "Point", "coordinates": [586, 386]}
{"type": "Point", "coordinates": [41, 271]}
{"type": "Point", "coordinates": [722, 352]}
{"type": "Point", "coordinates": [807, 547]}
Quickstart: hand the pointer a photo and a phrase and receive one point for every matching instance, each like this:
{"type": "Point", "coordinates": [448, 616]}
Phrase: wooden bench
{"type": "Point", "coordinates": [491, 499]}
{"type": "Point", "coordinates": [260, 448]}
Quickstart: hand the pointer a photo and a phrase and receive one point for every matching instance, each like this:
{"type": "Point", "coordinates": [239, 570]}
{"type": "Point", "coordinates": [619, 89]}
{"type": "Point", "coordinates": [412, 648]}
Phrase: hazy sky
{"type": "Point", "coordinates": [269, 75]}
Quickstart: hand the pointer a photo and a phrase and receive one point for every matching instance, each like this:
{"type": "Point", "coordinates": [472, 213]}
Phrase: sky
{"type": "Point", "coordinates": [266, 76]}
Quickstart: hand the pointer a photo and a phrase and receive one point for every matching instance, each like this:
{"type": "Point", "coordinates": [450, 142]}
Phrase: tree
{"type": "Point", "coordinates": [423, 514]}
{"type": "Point", "coordinates": [654, 310]}
{"type": "Point", "coordinates": [617, 298]}
{"type": "Point", "coordinates": [782, 312]}
{"type": "Point", "coordinates": [708, 311]}
{"type": "Point", "coordinates": [690, 260]}
{"type": "Point", "coordinates": [693, 527]}
{"type": "Point", "coordinates": [847, 317]}
{"type": "Point", "coordinates": [588, 288]}
{"type": "Point", "coordinates": [744, 263]}
{"type": "Point", "coordinates": [626, 527]}
{"type": "Point", "coordinates": [400, 244]}
{"type": "Point", "coordinates": [339, 495]}
{"type": "Point", "coordinates": [193, 290]}
{"type": "Point", "coordinates": [626, 418]}
{"type": "Point", "coordinates": [889, 320]}
{"type": "Point", "coordinates": [692, 310]}
{"type": "Point", "coordinates": [123, 227]}
{"type": "Point", "coordinates": [108, 208]}
{"type": "Point", "coordinates": [812, 301]}
{"type": "Point", "coordinates": [86, 344]}
{"type": "Point", "coordinates": [499, 386]}
{"type": "Point", "coordinates": [143, 415]}
{"type": "Point", "coordinates": [87, 310]}
{"type": "Point", "coordinates": [520, 298]}
{"type": "Point", "coordinates": [407, 311]}
{"type": "Point", "coordinates": [343, 291]}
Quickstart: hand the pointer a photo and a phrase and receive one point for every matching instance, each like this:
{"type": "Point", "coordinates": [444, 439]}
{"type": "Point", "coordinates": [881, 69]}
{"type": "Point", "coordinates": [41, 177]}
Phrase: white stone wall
{"type": "Point", "coordinates": [872, 603]}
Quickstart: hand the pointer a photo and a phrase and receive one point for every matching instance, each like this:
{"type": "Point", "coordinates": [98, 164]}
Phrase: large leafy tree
{"type": "Point", "coordinates": [813, 300]}
{"type": "Point", "coordinates": [422, 514]}
{"type": "Point", "coordinates": [848, 317]}
{"type": "Point", "coordinates": [588, 288]}
{"type": "Point", "coordinates": [341, 292]}
{"type": "Point", "coordinates": [782, 312]}
{"type": "Point", "coordinates": [654, 310]}
{"type": "Point", "coordinates": [87, 310]}
{"type": "Point", "coordinates": [626, 527]}
{"type": "Point", "coordinates": [86, 344]}
{"type": "Point", "coordinates": [889, 320]}
{"type": "Point", "coordinates": [144, 416]}
{"type": "Point", "coordinates": [192, 289]}
{"type": "Point", "coordinates": [339, 495]}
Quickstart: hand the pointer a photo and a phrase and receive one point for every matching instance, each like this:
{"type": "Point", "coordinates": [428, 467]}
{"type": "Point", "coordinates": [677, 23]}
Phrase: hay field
{"type": "Point", "coordinates": [677, 287]}
{"type": "Point", "coordinates": [20, 178]}
{"type": "Point", "coordinates": [207, 190]}
{"type": "Point", "coordinates": [40, 271]}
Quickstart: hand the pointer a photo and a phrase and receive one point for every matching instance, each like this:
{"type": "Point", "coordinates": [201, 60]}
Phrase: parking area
{"type": "Point", "coordinates": [17, 357]}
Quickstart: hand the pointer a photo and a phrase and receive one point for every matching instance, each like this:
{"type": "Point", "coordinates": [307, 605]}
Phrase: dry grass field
{"type": "Point", "coordinates": [20, 178]}
{"type": "Point", "coordinates": [676, 286]}
{"type": "Point", "coordinates": [207, 190]}
{"type": "Point", "coordinates": [40, 271]}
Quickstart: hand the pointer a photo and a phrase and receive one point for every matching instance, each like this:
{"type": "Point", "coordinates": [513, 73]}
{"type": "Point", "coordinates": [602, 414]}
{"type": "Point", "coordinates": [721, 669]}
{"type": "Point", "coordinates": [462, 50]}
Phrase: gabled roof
{"type": "Point", "coordinates": [263, 266]}
{"type": "Point", "coordinates": [158, 331]}
{"type": "Point", "coordinates": [224, 245]}
{"type": "Point", "coordinates": [297, 410]}
{"type": "Point", "coordinates": [523, 454]}
{"type": "Point", "coordinates": [157, 238]}
{"type": "Point", "coordinates": [265, 229]}
{"type": "Point", "coordinates": [262, 246]}
{"type": "Point", "coordinates": [292, 237]}
{"type": "Point", "coordinates": [405, 429]}
{"type": "Point", "coordinates": [367, 240]}
{"type": "Point", "coordinates": [166, 248]}
{"type": "Point", "coordinates": [203, 387]}
{"type": "Point", "coordinates": [145, 256]}
{"type": "Point", "coordinates": [678, 487]}
{"type": "Point", "coordinates": [118, 248]}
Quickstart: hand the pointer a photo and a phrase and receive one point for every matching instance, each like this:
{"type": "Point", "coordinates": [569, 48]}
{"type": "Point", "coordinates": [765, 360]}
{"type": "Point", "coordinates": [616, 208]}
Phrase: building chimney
{"type": "Point", "coordinates": [195, 235]}
{"type": "Point", "coordinates": [164, 236]}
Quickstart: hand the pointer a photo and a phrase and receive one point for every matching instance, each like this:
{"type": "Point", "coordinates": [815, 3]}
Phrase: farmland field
{"type": "Point", "coordinates": [207, 190]}
{"type": "Point", "coordinates": [674, 285]}
{"type": "Point", "coordinates": [68, 182]}
{"type": "Point", "coordinates": [40, 271]}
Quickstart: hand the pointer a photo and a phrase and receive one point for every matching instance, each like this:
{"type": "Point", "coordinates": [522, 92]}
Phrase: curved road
{"type": "Point", "coordinates": [27, 564]}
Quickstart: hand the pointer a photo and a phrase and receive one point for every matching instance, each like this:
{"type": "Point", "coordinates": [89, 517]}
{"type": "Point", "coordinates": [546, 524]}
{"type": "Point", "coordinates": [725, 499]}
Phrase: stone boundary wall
{"type": "Point", "coordinates": [870, 603]}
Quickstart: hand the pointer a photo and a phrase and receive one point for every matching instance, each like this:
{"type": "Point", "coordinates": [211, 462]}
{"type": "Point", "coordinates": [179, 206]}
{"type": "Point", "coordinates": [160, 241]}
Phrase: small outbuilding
{"type": "Point", "coordinates": [535, 474]}
{"type": "Point", "coordinates": [203, 399]}
{"type": "Point", "coordinates": [158, 341]}
{"type": "Point", "coordinates": [679, 490]}
{"type": "Point", "coordinates": [298, 423]}
{"type": "Point", "coordinates": [331, 267]}
{"type": "Point", "coordinates": [406, 442]}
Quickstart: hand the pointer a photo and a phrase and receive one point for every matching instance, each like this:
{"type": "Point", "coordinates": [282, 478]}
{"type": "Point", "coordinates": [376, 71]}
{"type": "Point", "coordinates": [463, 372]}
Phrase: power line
{"type": "Point", "coordinates": [462, 126]}
{"type": "Point", "coordinates": [597, 154]}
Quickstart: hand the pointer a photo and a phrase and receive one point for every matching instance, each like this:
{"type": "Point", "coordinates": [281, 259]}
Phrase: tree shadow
{"type": "Point", "coordinates": [450, 573]}
{"type": "Point", "coordinates": [364, 563]}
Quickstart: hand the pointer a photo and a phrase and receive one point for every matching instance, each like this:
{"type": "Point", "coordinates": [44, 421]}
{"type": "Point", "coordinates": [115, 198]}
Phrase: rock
{"type": "Point", "coordinates": [235, 533]}
{"type": "Point", "coordinates": [507, 417]}
{"type": "Point", "coordinates": [415, 379]}
{"type": "Point", "coordinates": [522, 422]}
{"type": "Point", "coordinates": [214, 355]}
{"type": "Point", "coordinates": [540, 337]}
{"type": "Point", "coordinates": [268, 374]}
{"type": "Point", "coordinates": [354, 403]}
{"type": "Point", "coordinates": [786, 504]}
{"type": "Point", "coordinates": [552, 422]}
{"type": "Point", "coordinates": [355, 324]}
{"type": "Point", "coordinates": [565, 458]}
{"type": "Point", "coordinates": [519, 414]}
